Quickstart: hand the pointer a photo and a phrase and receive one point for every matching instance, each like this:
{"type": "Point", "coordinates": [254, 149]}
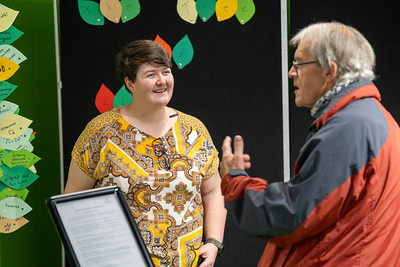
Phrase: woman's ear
{"type": "Point", "coordinates": [129, 84]}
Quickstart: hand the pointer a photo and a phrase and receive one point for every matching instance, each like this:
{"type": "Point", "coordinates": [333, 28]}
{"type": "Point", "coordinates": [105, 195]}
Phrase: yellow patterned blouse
{"type": "Point", "coordinates": [160, 177]}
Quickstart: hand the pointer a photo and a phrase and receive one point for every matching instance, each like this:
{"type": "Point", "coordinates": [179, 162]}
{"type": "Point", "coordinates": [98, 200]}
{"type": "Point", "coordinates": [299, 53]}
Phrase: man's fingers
{"type": "Point", "coordinates": [238, 145]}
{"type": "Point", "coordinates": [226, 146]}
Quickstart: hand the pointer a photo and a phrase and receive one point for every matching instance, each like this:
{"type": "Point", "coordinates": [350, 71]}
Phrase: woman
{"type": "Point", "coordinates": [163, 160]}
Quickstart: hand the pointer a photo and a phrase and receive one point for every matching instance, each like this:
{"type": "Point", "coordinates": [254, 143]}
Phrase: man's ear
{"type": "Point", "coordinates": [331, 72]}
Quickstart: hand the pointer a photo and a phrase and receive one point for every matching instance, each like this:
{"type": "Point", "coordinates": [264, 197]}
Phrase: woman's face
{"type": "Point", "coordinates": [153, 85]}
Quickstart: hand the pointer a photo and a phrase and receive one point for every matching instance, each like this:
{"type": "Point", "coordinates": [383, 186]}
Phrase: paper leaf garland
{"type": "Point", "coordinates": [104, 99]}
{"type": "Point", "coordinates": [21, 142]}
{"type": "Point", "coordinates": [205, 9]}
{"type": "Point", "coordinates": [13, 125]}
{"type": "Point", "coordinates": [111, 9]}
{"type": "Point", "coordinates": [9, 36]}
{"type": "Point", "coordinates": [225, 9]}
{"type": "Point", "coordinates": [7, 17]}
{"type": "Point", "coordinates": [13, 54]}
{"type": "Point", "coordinates": [6, 89]}
{"type": "Point", "coordinates": [11, 225]}
{"type": "Point", "coordinates": [187, 10]}
{"type": "Point", "coordinates": [183, 52]}
{"type": "Point", "coordinates": [245, 11]}
{"type": "Point", "coordinates": [130, 9]}
{"type": "Point", "coordinates": [90, 12]}
{"type": "Point", "coordinates": [7, 68]}
{"type": "Point", "coordinates": [164, 44]}
{"type": "Point", "coordinates": [9, 192]}
{"type": "Point", "coordinates": [122, 97]}
{"type": "Point", "coordinates": [17, 177]}
{"type": "Point", "coordinates": [13, 207]}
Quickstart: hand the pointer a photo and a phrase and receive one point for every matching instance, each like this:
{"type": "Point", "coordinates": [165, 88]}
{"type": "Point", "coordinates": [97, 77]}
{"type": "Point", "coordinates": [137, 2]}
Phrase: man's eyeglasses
{"type": "Point", "coordinates": [296, 65]}
{"type": "Point", "coordinates": [161, 152]}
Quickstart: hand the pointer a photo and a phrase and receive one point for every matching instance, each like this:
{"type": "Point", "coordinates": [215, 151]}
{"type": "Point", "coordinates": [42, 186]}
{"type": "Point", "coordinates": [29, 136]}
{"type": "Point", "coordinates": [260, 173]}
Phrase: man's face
{"type": "Point", "coordinates": [309, 80]}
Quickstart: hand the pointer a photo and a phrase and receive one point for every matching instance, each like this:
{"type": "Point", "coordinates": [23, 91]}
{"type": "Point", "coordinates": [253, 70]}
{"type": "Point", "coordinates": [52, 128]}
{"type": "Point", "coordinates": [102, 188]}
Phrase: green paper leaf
{"type": "Point", "coordinates": [130, 9]}
{"type": "Point", "coordinates": [183, 52]}
{"type": "Point", "coordinates": [245, 11]}
{"type": "Point", "coordinates": [20, 158]}
{"type": "Point", "coordinates": [10, 36]}
{"type": "Point", "coordinates": [17, 177]}
{"type": "Point", "coordinates": [90, 12]}
{"type": "Point", "coordinates": [205, 9]}
{"type": "Point", "coordinates": [122, 97]}
{"type": "Point", "coordinates": [18, 143]}
{"type": "Point", "coordinates": [13, 207]}
{"type": "Point", "coordinates": [7, 108]}
{"type": "Point", "coordinates": [9, 192]}
{"type": "Point", "coordinates": [6, 89]}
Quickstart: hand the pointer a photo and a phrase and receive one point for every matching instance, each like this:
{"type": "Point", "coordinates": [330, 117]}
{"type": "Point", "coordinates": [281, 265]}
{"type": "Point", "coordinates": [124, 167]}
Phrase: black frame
{"type": "Point", "coordinates": [52, 206]}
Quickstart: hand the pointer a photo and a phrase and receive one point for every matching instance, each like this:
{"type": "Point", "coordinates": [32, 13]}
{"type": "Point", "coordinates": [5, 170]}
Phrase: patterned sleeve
{"type": "Point", "coordinates": [81, 152]}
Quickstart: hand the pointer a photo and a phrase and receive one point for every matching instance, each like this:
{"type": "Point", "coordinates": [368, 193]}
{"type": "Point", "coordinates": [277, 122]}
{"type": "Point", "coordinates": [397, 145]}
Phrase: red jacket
{"type": "Point", "coordinates": [342, 206]}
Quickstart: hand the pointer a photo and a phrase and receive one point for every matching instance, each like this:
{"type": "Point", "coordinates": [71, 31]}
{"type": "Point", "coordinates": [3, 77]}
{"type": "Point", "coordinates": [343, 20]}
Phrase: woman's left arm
{"type": "Point", "coordinates": [214, 217]}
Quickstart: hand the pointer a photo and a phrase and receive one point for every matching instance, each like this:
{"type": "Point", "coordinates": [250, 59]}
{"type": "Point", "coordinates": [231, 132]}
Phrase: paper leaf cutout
{"type": "Point", "coordinates": [225, 9]}
{"type": "Point", "coordinates": [104, 99]}
{"type": "Point", "coordinates": [183, 52]}
{"type": "Point", "coordinates": [20, 158]}
{"type": "Point", "coordinates": [32, 136]}
{"type": "Point", "coordinates": [17, 177]}
{"type": "Point", "coordinates": [187, 10]}
{"type": "Point", "coordinates": [33, 169]}
{"type": "Point", "coordinates": [90, 12]}
{"type": "Point", "coordinates": [3, 154]}
{"type": "Point", "coordinates": [130, 9]}
{"type": "Point", "coordinates": [205, 8]}
{"type": "Point", "coordinates": [111, 9]}
{"type": "Point", "coordinates": [7, 17]}
{"type": "Point", "coordinates": [13, 125]}
{"type": "Point", "coordinates": [2, 185]}
{"type": "Point", "coordinates": [9, 192]}
{"type": "Point", "coordinates": [122, 97]}
{"type": "Point", "coordinates": [7, 68]}
{"type": "Point", "coordinates": [6, 89]}
{"type": "Point", "coordinates": [13, 54]}
{"type": "Point", "coordinates": [164, 44]}
{"type": "Point", "coordinates": [11, 225]}
{"type": "Point", "coordinates": [245, 11]}
{"type": "Point", "coordinates": [13, 207]}
{"type": "Point", "coordinates": [10, 36]}
{"type": "Point", "coordinates": [7, 108]}
{"type": "Point", "coordinates": [21, 142]}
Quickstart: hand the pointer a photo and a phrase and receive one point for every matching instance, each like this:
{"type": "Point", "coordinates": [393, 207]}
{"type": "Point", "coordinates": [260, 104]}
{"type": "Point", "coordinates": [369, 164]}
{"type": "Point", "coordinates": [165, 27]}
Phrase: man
{"type": "Point", "coordinates": [341, 207]}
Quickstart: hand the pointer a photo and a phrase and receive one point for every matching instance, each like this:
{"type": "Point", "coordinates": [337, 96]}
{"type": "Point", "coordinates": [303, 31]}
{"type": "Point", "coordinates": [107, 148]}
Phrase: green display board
{"type": "Point", "coordinates": [36, 243]}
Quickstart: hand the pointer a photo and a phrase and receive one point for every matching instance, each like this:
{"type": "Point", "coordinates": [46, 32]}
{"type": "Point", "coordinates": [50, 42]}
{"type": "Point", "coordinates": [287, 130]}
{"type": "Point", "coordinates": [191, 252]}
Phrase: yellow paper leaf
{"type": "Point", "coordinates": [7, 17]}
{"type": "Point", "coordinates": [7, 68]}
{"type": "Point", "coordinates": [10, 225]}
{"type": "Point", "coordinates": [225, 9]}
{"type": "Point", "coordinates": [13, 125]}
{"type": "Point", "coordinates": [187, 10]}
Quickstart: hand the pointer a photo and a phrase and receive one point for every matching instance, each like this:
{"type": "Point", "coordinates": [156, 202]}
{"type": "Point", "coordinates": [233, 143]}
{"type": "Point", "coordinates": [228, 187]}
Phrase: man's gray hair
{"type": "Point", "coordinates": [342, 44]}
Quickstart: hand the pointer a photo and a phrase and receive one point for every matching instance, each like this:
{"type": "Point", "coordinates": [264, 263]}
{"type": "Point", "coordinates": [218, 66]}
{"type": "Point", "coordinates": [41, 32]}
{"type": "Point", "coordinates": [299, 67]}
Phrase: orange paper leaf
{"type": "Point", "coordinates": [104, 99]}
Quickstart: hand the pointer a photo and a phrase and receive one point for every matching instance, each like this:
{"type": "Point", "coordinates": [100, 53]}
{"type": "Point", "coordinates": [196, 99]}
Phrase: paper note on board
{"type": "Point", "coordinates": [6, 89]}
{"type": "Point", "coordinates": [7, 107]}
{"type": "Point", "coordinates": [111, 9]}
{"type": "Point", "coordinates": [164, 44]}
{"type": "Point", "coordinates": [13, 125]}
{"type": "Point", "coordinates": [21, 142]}
{"type": "Point", "coordinates": [104, 99]}
{"type": "Point", "coordinates": [12, 53]}
{"type": "Point", "coordinates": [9, 36]}
{"type": "Point", "coordinates": [225, 9]}
{"type": "Point", "coordinates": [10, 192]}
{"type": "Point", "coordinates": [90, 12]}
{"type": "Point", "coordinates": [130, 9]}
{"type": "Point", "coordinates": [205, 8]}
{"type": "Point", "coordinates": [122, 97]}
{"type": "Point", "coordinates": [11, 225]}
{"type": "Point", "coordinates": [7, 17]}
{"type": "Point", "coordinates": [183, 52]}
{"type": "Point", "coordinates": [17, 177]}
{"type": "Point", "coordinates": [20, 158]}
{"type": "Point", "coordinates": [245, 11]}
{"type": "Point", "coordinates": [187, 10]}
{"type": "Point", "coordinates": [13, 207]}
{"type": "Point", "coordinates": [7, 68]}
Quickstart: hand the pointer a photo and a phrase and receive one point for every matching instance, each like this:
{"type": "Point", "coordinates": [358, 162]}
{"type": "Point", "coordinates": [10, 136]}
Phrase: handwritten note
{"type": "Point", "coordinates": [17, 177]}
{"type": "Point", "coordinates": [183, 52]}
{"type": "Point", "coordinates": [6, 89]}
{"type": "Point", "coordinates": [20, 158]}
{"type": "Point", "coordinates": [10, 36]}
{"type": "Point", "coordinates": [13, 207]}
{"type": "Point", "coordinates": [7, 17]}
{"type": "Point", "coordinates": [12, 53]}
{"type": "Point", "coordinates": [13, 125]}
{"type": "Point", "coordinates": [90, 12]}
{"type": "Point", "coordinates": [225, 9]}
{"type": "Point", "coordinates": [245, 11]}
{"type": "Point", "coordinates": [11, 225]}
{"type": "Point", "coordinates": [10, 192]}
{"type": "Point", "coordinates": [111, 9]}
{"type": "Point", "coordinates": [21, 142]}
{"type": "Point", "coordinates": [7, 68]}
{"type": "Point", "coordinates": [187, 10]}
{"type": "Point", "coordinates": [7, 107]}
{"type": "Point", "coordinates": [130, 9]}
{"type": "Point", "coordinates": [205, 8]}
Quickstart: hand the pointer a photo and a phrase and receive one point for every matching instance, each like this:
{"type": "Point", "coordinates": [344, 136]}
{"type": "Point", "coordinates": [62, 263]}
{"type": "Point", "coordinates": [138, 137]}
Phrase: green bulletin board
{"type": "Point", "coordinates": [36, 243]}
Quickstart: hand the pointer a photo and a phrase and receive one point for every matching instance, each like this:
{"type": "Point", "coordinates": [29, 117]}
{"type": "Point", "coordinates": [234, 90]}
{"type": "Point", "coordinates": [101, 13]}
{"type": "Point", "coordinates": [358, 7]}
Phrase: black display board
{"type": "Point", "coordinates": [233, 84]}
